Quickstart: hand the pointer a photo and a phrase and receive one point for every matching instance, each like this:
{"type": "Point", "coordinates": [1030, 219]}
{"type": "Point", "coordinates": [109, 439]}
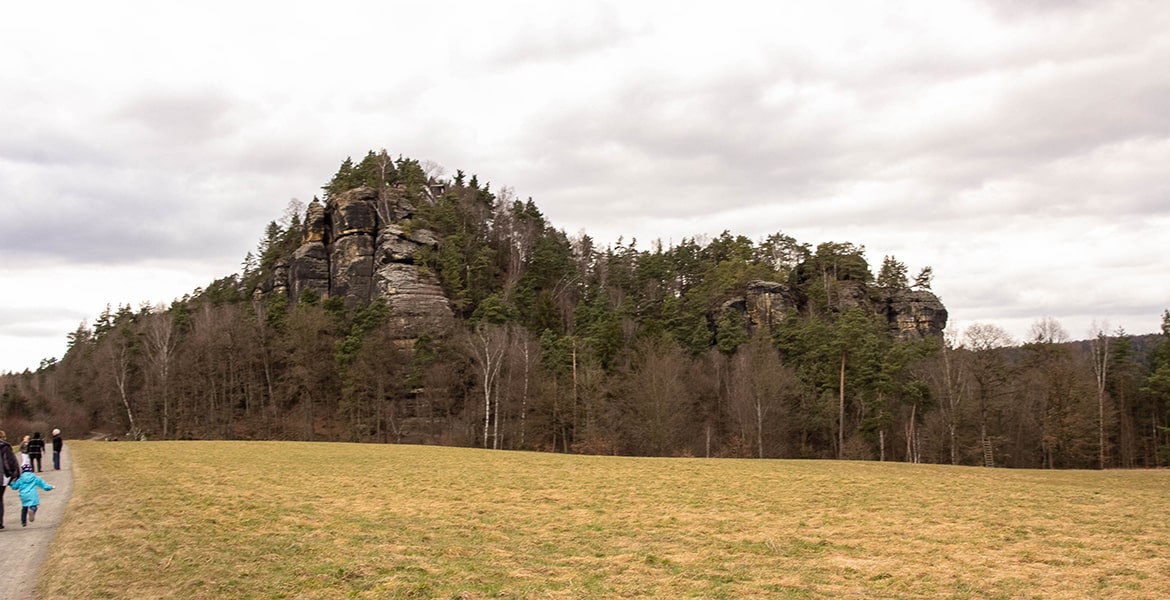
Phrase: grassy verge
{"type": "Point", "coordinates": [299, 520]}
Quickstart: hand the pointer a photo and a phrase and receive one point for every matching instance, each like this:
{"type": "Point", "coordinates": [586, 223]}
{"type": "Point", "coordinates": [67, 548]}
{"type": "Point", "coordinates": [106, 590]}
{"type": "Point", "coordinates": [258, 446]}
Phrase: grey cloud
{"type": "Point", "coordinates": [726, 131]}
{"type": "Point", "coordinates": [755, 154]}
{"type": "Point", "coordinates": [179, 117]}
{"type": "Point", "coordinates": [125, 239]}
{"type": "Point", "coordinates": [1044, 123]}
{"type": "Point", "coordinates": [135, 217]}
{"type": "Point", "coordinates": [14, 317]}
{"type": "Point", "coordinates": [29, 330]}
{"type": "Point", "coordinates": [1043, 8]}
{"type": "Point", "coordinates": [560, 38]}
{"type": "Point", "coordinates": [278, 156]}
{"type": "Point", "coordinates": [22, 144]}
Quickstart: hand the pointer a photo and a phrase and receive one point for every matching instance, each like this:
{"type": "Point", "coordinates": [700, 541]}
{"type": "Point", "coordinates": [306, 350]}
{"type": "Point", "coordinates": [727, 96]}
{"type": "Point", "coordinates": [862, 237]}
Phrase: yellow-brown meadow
{"type": "Point", "coordinates": [199, 520]}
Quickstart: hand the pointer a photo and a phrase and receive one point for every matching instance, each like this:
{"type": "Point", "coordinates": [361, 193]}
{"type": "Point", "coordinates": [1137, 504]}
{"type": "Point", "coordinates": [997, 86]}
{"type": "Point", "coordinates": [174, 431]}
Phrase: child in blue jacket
{"type": "Point", "coordinates": [27, 485]}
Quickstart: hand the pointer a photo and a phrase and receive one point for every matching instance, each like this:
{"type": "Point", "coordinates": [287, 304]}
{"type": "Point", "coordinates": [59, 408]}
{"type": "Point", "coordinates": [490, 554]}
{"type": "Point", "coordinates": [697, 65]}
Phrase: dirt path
{"type": "Point", "coordinates": [23, 549]}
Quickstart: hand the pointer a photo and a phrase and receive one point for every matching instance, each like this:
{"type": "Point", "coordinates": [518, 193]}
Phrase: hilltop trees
{"type": "Point", "coordinates": [892, 274]}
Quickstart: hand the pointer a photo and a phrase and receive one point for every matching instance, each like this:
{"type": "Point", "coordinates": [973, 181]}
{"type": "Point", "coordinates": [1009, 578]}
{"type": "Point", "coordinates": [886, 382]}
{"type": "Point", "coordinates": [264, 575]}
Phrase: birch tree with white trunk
{"type": "Point", "coordinates": [487, 343]}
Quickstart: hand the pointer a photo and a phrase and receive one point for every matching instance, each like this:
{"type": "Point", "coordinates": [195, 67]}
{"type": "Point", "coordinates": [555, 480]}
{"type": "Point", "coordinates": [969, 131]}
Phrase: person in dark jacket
{"type": "Point", "coordinates": [36, 447]}
{"type": "Point", "coordinates": [9, 469]}
{"type": "Point", "coordinates": [57, 443]}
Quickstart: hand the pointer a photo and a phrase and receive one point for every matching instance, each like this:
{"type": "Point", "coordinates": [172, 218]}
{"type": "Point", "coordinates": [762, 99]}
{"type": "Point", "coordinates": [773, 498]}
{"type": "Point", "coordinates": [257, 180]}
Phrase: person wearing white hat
{"type": "Point", "coordinates": [57, 449]}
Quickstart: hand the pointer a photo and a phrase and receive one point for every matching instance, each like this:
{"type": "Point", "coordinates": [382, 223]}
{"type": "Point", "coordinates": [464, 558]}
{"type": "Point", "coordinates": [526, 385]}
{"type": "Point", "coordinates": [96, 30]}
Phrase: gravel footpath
{"type": "Point", "coordinates": [23, 549]}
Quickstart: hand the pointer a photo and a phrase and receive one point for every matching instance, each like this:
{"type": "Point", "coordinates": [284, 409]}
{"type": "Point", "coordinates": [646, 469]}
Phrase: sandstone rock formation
{"type": "Point", "coordinates": [912, 314]}
{"type": "Point", "coordinates": [766, 303]}
{"type": "Point", "coordinates": [360, 245]}
{"type": "Point", "coordinates": [356, 247]}
{"type": "Point", "coordinates": [915, 313]}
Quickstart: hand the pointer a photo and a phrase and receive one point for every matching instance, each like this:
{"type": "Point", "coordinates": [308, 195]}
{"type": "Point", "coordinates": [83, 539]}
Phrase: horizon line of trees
{"type": "Point", "coordinates": [561, 346]}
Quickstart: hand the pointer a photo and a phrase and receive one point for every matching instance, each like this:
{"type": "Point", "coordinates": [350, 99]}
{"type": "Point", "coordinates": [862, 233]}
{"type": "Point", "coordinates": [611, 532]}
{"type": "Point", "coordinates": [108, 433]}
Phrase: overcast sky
{"type": "Point", "coordinates": [1021, 149]}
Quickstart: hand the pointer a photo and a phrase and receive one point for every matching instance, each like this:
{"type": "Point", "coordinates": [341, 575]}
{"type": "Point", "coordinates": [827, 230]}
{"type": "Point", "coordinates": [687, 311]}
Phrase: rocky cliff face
{"type": "Point", "coordinates": [355, 247]}
{"type": "Point", "coordinates": [766, 303]}
{"type": "Point", "coordinates": [912, 314]}
{"type": "Point", "coordinates": [359, 246]}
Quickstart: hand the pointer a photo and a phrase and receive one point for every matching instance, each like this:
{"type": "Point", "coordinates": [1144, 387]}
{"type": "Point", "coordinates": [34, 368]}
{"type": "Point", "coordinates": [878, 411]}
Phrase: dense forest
{"type": "Point", "coordinates": [563, 346]}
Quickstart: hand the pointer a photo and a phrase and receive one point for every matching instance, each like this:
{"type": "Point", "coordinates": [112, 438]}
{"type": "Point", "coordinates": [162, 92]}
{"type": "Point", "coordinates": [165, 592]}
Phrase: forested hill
{"type": "Point", "coordinates": [403, 306]}
{"type": "Point", "coordinates": [438, 249]}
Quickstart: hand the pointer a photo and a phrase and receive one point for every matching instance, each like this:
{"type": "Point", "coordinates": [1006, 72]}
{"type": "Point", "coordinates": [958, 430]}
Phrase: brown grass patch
{"type": "Point", "coordinates": [301, 520]}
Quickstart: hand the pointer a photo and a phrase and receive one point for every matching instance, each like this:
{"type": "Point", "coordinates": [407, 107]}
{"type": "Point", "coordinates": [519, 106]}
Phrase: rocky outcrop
{"type": "Point", "coordinates": [766, 303]}
{"type": "Point", "coordinates": [308, 269]}
{"type": "Point", "coordinates": [915, 314]}
{"type": "Point", "coordinates": [361, 245]}
{"type": "Point", "coordinates": [912, 314]}
{"type": "Point", "coordinates": [417, 303]}
{"type": "Point", "coordinates": [358, 247]}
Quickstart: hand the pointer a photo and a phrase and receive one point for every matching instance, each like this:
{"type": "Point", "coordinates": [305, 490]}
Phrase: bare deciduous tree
{"type": "Point", "coordinates": [949, 378]}
{"type": "Point", "coordinates": [990, 374]}
{"type": "Point", "coordinates": [487, 343]}
{"type": "Point", "coordinates": [658, 396]}
{"type": "Point", "coordinates": [116, 349]}
{"type": "Point", "coordinates": [759, 382]}
{"type": "Point", "coordinates": [160, 341]}
{"type": "Point", "coordinates": [1099, 346]}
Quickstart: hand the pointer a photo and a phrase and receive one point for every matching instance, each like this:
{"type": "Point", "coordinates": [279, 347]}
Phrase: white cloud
{"type": "Point", "coordinates": [1018, 148]}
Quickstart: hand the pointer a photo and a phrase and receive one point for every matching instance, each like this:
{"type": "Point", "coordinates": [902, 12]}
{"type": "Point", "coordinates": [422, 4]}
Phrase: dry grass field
{"type": "Point", "coordinates": [200, 520]}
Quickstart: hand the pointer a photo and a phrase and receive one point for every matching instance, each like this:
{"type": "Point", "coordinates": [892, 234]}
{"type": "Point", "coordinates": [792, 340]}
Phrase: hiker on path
{"type": "Point", "coordinates": [10, 469]}
{"type": "Point", "coordinates": [30, 500]}
{"type": "Point", "coordinates": [24, 451]}
{"type": "Point", "coordinates": [36, 448]}
{"type": "Point", "coordinates": [57, 443]}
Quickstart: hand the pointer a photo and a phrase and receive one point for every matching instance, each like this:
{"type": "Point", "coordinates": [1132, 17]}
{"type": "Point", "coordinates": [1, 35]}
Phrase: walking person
{"type": "Point", "coordinates": [36, 448]}
{"type": "Point", "coordinates": [10, 470]}
{"type": "Point", "coordinates": [24, 451]}
{"type": "Point", "coordinates": [57, 443]}
{"type": "Point", "coordinates": [30, 500]}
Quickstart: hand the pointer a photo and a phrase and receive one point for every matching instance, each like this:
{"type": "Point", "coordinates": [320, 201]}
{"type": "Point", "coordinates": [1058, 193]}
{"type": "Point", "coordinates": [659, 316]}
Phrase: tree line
{"type": "Point", "coordinates": [562, 346]}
